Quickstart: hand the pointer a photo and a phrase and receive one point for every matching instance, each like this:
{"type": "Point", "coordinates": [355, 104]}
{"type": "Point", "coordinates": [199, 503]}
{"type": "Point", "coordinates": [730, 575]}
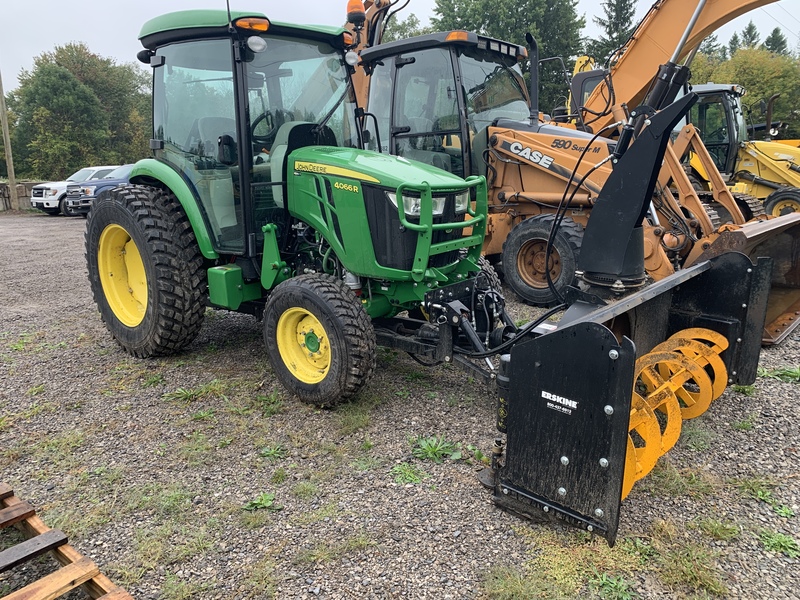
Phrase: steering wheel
{"type": "Point", "coordinates": [718, 135]}
{"type": "Point", "coordinates": [270, 122]}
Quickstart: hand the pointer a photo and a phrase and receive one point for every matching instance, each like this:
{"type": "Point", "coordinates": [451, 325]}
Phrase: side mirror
{"type": "Point", "coordinates": [226, 150]}
{"type": "Point", "coordinates": [763, 106]}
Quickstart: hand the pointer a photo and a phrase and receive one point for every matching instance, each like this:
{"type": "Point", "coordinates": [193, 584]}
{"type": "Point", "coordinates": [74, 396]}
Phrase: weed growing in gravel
{"type": "Point", "coordinates": [270, 404]}
{"type": "Point", "coordinates": [262, 580]}
{"type": "Point", "coordinates": [611, 587]}
{"type": "Point", "coordinates": [666, 479]}
{"type": "Point", "coordinates": [507, 582]}
{"type": "Point", "coordinates": [746, 424]}
{"type": "Point", "coordinates": [273, 452]}
{"type": "Point", "coordinates": [761, 489]}
{"type": "Point", "coordinates": [35, 390]}
{"type": "Point", "coordinates": [203, 415]}
{"type": "Point", "coordinates": [365, 463]}
{"type": "Point", "coordinates": [719, 529]}
{"type": "Point", "coordinates": [23, 342]}
{"type": "Point", "coordinates": [305, 490]}
{"type": "Point", "coordinates": [153, 380]}
{"type": "Point", "coordinates": [326, 552]}
{"type": "Point", "coordinates": [408, 473]}
{"type": "Point", "coordinates": [195, 451]}
{"type": "Point", "coordinates": [5, 422]}
{"type": "Point", "coordinates": [780, 542]}
{"type": "Point", "coordinates": [434, 448]}
{"type": "Point", "coordinates": [747, 390]}
{"type": "Point", "coordinates": [696, 436]}
{"type": "Point", "coordinates": [279, 475]}
{"type": "Point", "coordinates": [327, 511]}
{"type": "Point", "coordinates": [356, 415]}
{"type": "Point", "coordinates": [785, 374]}
{"type": "Point", "coordinates": [212, 389]}
{"type": "Point", "coordinates": [692, 565]}
{"type": "Point", "coordinates": [175, 589]}
{"type": "Point", "coordinates": [265, 501]}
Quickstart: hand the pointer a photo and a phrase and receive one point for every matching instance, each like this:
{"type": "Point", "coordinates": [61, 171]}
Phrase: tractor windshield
{"type": "Point", "coordinates": [299, 80]}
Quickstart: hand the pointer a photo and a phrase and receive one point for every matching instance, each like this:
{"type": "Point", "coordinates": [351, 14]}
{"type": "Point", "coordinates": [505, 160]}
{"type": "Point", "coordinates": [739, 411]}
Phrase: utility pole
{"type": "Point", "coordinates": [12, 181]}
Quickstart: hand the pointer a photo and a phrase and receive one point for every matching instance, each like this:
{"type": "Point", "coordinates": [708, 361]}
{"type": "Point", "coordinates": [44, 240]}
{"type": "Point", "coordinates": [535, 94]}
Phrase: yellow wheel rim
{"type": "Point", "coordinates": [122, 275]}
{"type": "Point", "coordinates": [784, 207]}
{"type": "Point", "coordinates": [303, 345]}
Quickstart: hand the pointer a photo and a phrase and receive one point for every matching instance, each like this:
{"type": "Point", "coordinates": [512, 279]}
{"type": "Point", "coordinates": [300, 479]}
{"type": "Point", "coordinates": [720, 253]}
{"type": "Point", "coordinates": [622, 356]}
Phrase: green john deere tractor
{"type": "Point", "coordinates": [259, 199]}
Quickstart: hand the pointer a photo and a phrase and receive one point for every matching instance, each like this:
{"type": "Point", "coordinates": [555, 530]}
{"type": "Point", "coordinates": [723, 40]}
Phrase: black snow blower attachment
{"type": "Point", "coordinates": [589, 406]}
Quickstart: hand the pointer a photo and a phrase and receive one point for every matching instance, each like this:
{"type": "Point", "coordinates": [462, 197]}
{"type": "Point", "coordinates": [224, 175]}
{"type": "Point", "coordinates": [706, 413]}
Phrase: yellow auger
{"type": "Point", "coordinates": [677, 380]}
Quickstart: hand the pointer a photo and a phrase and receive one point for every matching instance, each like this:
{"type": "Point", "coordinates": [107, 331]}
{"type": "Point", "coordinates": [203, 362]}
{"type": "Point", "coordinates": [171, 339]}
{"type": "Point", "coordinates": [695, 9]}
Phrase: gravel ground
{"type": "Point", "coordinates": [147, 465]}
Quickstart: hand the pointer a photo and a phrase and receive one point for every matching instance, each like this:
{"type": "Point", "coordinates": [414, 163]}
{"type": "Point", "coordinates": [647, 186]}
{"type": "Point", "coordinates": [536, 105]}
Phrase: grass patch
{"type": "Point", "coordinates": [785, 374]}
{"type": "Point", "coordinates": [305, 490]}
{"type": "Point", "coordinates": [746, 390]}
{"type": "Point", "coordinates": [407, 473]}
{"type": "Point", "coordinates": [176, 589]}
{"type": "Point", "coordinates": [212, 389]}
{"type": "Point", "coordinates": [276, 452]}
{"type": "Point", "coordinates": [719, 529]}
{"type": "Point", "coordinates": [780, 542]}
{"type": "Point", "coordinates": [196, 450]}
{"type": "Point", "coordinates": [611, 587]}
{"type": "Point", "coordinates": [689, 564]}
{"type": "Point", "coordinates": [279, 476]}
{"type": "Point", "coordinates": [328, 551]}
{"type": "Point", "coordinates": [270, 404]}
{"type": "Point", "coordinates": [506, 582]}
{"type": "Point", "coordinates": [696, 436]}
{"type": "Point", "coordinates": [262, 580]}
{"type": "Point", "coordinates": [760, 488]}
{"type": "Point", "coordinates": [746, 424]}
{"type": "Point", "coordinates": [666, 479]}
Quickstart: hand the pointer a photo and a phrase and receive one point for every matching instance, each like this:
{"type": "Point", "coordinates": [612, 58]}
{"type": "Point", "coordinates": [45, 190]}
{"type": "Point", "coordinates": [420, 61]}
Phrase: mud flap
{"type": "Point", "coordinates": [565, 397]}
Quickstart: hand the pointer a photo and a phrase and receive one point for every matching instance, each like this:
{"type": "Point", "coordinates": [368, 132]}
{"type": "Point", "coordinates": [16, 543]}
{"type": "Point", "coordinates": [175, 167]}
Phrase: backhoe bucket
{"type": "Point", "coordinates": [778, 239]}
{"type": "Point", "coordinates": [577, 403]}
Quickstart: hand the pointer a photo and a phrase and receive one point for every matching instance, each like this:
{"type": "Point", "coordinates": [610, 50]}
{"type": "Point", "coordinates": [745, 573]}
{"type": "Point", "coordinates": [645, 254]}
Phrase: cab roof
{"type": "Point", "coordinates": [444, 38]}
{"type": "Point", "coordinates": [189, 24]}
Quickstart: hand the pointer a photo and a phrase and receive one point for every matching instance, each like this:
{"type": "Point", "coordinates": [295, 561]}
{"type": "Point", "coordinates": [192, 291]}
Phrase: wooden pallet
{"type": "Point", "coordinates": [76, 569]}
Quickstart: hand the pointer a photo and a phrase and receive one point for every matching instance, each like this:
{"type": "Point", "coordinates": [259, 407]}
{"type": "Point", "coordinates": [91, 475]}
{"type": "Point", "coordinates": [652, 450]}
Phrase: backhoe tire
{"type": "Point", "coordinates": [145, 270]}
{"type": "Point", "coordinates": [524, 256]}
{"type": "Point", "coordinates": [782, 202]}
{"type": "Point", "coordinates": [320, 340]}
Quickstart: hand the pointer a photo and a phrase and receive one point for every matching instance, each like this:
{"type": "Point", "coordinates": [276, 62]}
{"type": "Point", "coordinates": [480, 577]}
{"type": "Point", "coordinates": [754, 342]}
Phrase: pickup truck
{"type": "Point", "coordinates": [81, 195]}
{"type": "Point", "coordinates": [51, 197]}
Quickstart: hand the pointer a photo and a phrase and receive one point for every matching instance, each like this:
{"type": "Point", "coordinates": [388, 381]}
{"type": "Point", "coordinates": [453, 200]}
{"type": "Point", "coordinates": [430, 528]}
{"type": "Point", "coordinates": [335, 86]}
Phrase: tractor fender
{"type": "Point", "coordinates": [150, 171]}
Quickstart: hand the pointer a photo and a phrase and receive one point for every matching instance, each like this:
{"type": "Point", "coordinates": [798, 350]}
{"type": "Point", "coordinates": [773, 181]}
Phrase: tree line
{"type": "Point", "coordinates": [75, 108]}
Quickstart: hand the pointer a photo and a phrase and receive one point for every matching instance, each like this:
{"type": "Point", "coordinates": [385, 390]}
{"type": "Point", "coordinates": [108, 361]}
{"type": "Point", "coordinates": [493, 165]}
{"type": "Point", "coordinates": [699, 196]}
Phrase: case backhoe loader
{"type": "Point", "coordinates": [457, 100]}
{"type": "Point", "coordinates": [259, 199]}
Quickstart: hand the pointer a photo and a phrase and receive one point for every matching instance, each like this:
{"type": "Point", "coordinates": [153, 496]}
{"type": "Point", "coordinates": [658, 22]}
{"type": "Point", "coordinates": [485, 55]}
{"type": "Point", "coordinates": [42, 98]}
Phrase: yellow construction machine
{"type": "Point", "coordinates": [457, 100]}
{"type": "Point", "coordinates": [766, 169]}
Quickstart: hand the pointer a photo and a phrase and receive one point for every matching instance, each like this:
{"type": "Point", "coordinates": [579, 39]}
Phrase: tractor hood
{"type": "Point", "coordinates": [370, 167]}
{"type": "Point", "coordinates": [776, 151]}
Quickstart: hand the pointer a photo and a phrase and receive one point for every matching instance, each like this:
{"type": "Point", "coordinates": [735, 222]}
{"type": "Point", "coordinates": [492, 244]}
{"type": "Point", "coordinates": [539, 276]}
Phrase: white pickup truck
{"type": "Point", "coordinates": [51, 197]}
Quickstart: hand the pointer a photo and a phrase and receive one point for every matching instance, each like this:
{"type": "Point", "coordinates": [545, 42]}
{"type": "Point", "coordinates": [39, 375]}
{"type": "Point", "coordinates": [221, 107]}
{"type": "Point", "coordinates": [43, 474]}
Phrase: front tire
{"type": "Point", "coordinates": [524, 254]}
{"type": "Point", "coordinates": [782, 202]}
{"type": "Point", "coordinates": [66, 210]}
{"type": "Point", "coordinates": [145, 270]}
{"type": "Point", "coordinates": [320, 340]}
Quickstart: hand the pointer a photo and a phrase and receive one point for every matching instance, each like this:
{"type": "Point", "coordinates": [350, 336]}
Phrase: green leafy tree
{"type": "Point", "coordinates": [712, 48]}
{"type": "Point", "coordinates": [406, 28]}
{"type": "Point", "coordinates": [734, 44]}
{"type": "Point", "coordinates": [116, 97]}
{"type": "Point", "coordinates": [750, 36]}
{"type": "Point", "coordinates": [763, 73]}
{"type": "Point", "coordinates": [776, 42]}
{"type": "Point", "coordinates": [553, 23]}
{"type": "Point", "coordinates": [617, 27]}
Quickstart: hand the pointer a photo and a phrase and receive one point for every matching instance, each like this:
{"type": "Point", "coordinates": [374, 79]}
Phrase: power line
{"type": "Point", "coordinates": [780, 24]}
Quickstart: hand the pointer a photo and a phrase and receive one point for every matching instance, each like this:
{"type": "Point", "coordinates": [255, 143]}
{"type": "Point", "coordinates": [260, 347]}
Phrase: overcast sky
{"type": "Point", "coordinates": [111, 29]}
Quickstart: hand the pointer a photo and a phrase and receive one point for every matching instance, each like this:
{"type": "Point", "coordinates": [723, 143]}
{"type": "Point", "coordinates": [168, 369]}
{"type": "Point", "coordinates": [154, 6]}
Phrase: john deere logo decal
{"type": "Point", "coordinates": [310, 167]}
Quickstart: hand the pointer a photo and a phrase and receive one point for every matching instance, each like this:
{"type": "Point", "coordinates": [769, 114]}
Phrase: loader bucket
{"type": "Point", "coordinates": [778, 239]}
{"type": "Point", "coordinates": [575, 444]}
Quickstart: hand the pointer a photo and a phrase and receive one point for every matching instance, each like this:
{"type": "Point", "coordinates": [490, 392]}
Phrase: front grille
{"type": "Point", "coordinates": [395, 246]}
{"type": "Point", "coordinates": [38, 192]}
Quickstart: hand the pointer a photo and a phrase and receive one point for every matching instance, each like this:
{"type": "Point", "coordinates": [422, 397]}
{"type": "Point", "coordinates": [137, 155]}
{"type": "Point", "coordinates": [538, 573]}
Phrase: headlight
{"type": "Point", "coordinates": [412, 205]}
{"type": "Point", "coordinates": [462, 202]}
{"type": "Point", "coordinates": [89, 190]}
{"type": "Point", "coordinates": [52, 192]}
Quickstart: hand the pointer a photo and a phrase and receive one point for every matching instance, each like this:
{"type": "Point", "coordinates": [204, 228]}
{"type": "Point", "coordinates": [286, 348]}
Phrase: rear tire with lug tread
{"type": "Point", "coordinates": [782, 202]}
{"type": "Point", "coordinates": [524, 255]}
{"type": "Point", "coordinates": [320, 340]}
{"type": "Point", "coordinates": [145, 270]}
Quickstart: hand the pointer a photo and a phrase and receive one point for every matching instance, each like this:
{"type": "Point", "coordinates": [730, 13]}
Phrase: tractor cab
{"type": "Point", "coordinates": [420, 88]}
{"type": "Point", "coordinates": [228, 110]}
